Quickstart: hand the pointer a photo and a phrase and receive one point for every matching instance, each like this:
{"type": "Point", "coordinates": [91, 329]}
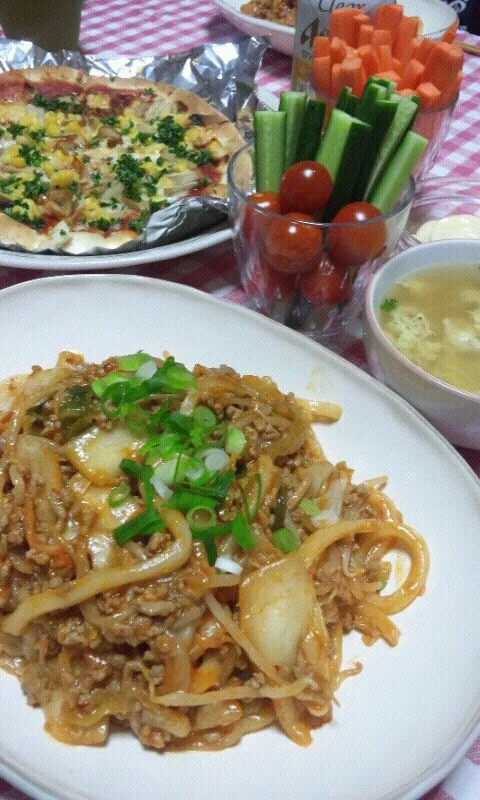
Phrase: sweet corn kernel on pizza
{"type": "Point", "coordinates": [85, 160]}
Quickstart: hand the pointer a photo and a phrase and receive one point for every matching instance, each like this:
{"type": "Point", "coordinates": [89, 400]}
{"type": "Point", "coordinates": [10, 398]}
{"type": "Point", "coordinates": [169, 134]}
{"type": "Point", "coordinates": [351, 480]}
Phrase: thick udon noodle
{"type": "Point", "coordinates": [149, 635]}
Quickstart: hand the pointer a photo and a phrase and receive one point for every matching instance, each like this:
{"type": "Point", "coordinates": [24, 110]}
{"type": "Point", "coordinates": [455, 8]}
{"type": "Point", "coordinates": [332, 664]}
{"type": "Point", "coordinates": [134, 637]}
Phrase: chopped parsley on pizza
{"type": "Point", "coordinates": [85, 161]}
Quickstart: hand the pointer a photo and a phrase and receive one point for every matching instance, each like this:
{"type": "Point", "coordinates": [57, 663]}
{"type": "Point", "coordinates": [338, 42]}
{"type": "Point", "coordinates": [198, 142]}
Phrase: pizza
{"type": "Point", "coordinates": [86, 160]}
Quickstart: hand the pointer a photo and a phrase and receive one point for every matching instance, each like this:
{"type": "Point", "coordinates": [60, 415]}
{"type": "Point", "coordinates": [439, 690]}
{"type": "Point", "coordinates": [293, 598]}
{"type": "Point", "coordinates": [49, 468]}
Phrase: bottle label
{"type": "Point", "coordinates": [313, 19]}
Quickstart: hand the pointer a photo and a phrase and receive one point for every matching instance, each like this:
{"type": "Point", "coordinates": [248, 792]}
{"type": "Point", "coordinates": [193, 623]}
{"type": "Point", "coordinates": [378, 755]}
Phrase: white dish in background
{"type": "Point", "coordinates": [426, 688]}
{"type": "Point", "coordinates": [281, 36]}
{"type": "Point", "coordinates": [11, 258]}
{"type": "Point", "coordinates": [436, 17]}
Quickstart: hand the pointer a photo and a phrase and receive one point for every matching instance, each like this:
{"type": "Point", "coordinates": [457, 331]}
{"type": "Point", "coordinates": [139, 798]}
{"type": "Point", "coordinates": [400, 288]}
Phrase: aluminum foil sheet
{"type": "Point", "coordinates": [223, 74]}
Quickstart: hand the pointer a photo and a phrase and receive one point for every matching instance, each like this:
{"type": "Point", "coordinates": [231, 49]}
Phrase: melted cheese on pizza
{"type": "Point", "coordinates": [100, 165]}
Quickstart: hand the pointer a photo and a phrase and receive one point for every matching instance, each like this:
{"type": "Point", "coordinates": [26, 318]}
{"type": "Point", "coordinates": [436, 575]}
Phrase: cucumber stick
{"type": "Point", "coordinates": [269, 134]}
{"type": "Point", "coordinates": [380, 117]}
{"type": "Point", "coordinates": [357, 148]}
{"type": "Point", "coordinates": [398, 171]}
{"type": "Point", "coordinates": [293, 104]}
{"type": "Point", "coordinates": [390, 86]}
{"type": "Point", "coordinates": [371, 95]}
{"type": "Point", "coordinates": [330, 152]}
{"type": "Point", "coordinates": [311, 130]}
{"type": "Point", "coordinates": [348, 102]}
{"type": "Point", "coordinates": [401, 122]}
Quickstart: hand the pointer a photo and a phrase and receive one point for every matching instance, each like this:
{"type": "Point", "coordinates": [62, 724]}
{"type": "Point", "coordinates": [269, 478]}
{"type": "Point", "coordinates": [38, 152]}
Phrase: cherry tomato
{"type": "Point", "coordinates": [253, 219]}
{"type": "Point", "coordinates": [266, 285]}
{"type": "Point", "coordinates": [350, 247]}
{"type": "Point", "coordinates": [291, 246]}
{"type": "Point", "coordinates": [326, 285]}
{"type": "Point", "coordinates": [306, 186]}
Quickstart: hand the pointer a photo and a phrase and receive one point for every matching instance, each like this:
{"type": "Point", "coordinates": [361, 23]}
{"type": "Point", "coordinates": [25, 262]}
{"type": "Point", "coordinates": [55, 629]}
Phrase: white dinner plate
{"type": "Point", "coordinates": [436, 17]}
{"type": "Point", "coordinates": [10, 258]}
{"type": "Point", "coordinates": [414, 709]}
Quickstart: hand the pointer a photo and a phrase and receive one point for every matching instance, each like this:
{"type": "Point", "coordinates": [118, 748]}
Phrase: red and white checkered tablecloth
{"type": "Point", "coordinates": [158, 27]}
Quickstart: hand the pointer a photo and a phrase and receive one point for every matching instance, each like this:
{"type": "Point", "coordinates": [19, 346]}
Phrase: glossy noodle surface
{"type": "Point", "coordinates": [179, 558]}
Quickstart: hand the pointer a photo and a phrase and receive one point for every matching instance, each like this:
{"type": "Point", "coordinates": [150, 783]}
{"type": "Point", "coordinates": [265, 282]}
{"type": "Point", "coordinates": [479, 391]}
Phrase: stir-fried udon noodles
{"type": "Point", "coordinates": [179, 558]}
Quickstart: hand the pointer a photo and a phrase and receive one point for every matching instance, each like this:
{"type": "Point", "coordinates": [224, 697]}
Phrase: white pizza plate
{"type": "Point", "coordinates": [401, 724]}
{"type": "Point", "coordinates": [436, 17]}
{"type": "Point", "coordinates": [10, 258]}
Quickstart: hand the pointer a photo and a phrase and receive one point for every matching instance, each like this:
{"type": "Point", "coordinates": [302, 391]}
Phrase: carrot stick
{"type": "Point", "coordinates": [412, 74]}
{"type": "Point", "coordinates": [358, 21]}
{"type": "Point", "coordinates": [349, 74]}
{"type": "Point", "coordinates": [390, 75]}
{"type": "Point", "coordinates": [451, 32]}
{"type": "Point", "coordinates": [443, 63]}
{"type": "Point", "coordinates": [430, 96]}
{"type": "Point", "coordinates": [449, 96]}
{"type": "Point", "coordinates": [342, 24]}
{"type": "Point", "coordinates": [365, 35]}
{"type": "Point", "coordinates": [406, 32]}
{"type": "Point", "coordinates": [362, 79]}
{"type": "Point", "coordinates": [384, 56]}
{"type": "Point", "coordinates": [407, 92]}
{"type": "Point", "coordinates": [421, 48]}
{"type": "Point", "coordinates": [321, 67]}
{"type": "Point", "coordinates": [338, 49]}
{"type": "Point", "coordinates": [382, 36]}
{"type": "Point", "coordinates": [388, 17]}
{"type": "Point", "coordinates": [321, 46]}
{"type": "Point", "coordinates": [369, 59]}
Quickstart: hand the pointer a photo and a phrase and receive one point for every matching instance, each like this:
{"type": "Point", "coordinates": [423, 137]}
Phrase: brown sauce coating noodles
{"type": "Point", "coordinates": [189, 635]}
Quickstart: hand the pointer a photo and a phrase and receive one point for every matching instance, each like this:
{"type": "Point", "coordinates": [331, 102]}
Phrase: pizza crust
{"type": "Point", "coordinates": [84, 241]}
{"type": "Point", "coordinates": [37, 75]}
{"type": "Point", "coordinates": [76, 243]}
{"type": "Point", "coordinates": [216, 124]}
{"type": "Point", "coordinates": [13, 232]}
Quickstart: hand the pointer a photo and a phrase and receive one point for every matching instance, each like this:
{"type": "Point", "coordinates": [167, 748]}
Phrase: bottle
{"type": "Point", "coordinates": [313, 19]}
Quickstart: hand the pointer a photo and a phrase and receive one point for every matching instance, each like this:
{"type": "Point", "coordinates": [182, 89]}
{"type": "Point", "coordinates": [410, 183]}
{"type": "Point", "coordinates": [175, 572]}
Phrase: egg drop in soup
{"type": "Point", "coordinates": [433, 317]}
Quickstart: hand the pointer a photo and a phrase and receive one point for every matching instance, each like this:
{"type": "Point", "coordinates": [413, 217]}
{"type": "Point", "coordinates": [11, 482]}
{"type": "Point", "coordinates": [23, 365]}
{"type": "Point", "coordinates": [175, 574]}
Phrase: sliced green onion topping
{"type": "Point", "coordinates": [184, 458]}
{"type": "Point", "coordinates": [133, 469]}
{"type": "Point", "coordinates": [185, 500]}
{"type": "Point", "coordinates": [209, 543]}
{"type": "Point", "coordinates": [118, 495]}
{"type": "Point", "coordinates": [204, 417]}
{"type": "Point", "coordinates": [100, 385]}
{"type": "Point", "coordinates": [201, 517]}
{"type": "Point", "coordinates": [167, 470]}
{"type": "Point", "coordinates": [162, 446]}
{"type": "Point", "coordinates": [286, 540]}
{"type": "Point", "coordinates": [136, 420]}
{"type": "Point", "coordinates": [242, 532]}
{"type": "Point", "coordinates": [251, 496]}
{"type": "Point", "coordinates": [195, 470]}
{"type": "Point", "coordinates": [132, 362]}
{"type": "Point", "coordinates": [235, 440]}
{"type": "Point", "coordinates": [144, 524]}
{"type": "Point", "coordinates": [309, 506]}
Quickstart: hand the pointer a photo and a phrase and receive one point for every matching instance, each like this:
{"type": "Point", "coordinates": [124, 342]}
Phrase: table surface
{"type": "Point", "coordinates": [158, 27]}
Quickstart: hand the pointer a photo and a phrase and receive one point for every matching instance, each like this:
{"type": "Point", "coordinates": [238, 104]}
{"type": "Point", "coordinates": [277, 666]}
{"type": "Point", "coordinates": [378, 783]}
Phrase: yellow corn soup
{"type": "Point", "coordinates": [433, 318]}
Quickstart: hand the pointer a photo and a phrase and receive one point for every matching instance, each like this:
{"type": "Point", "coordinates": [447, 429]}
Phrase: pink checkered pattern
{"type": "Point", "coordinates": [158, 27]}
